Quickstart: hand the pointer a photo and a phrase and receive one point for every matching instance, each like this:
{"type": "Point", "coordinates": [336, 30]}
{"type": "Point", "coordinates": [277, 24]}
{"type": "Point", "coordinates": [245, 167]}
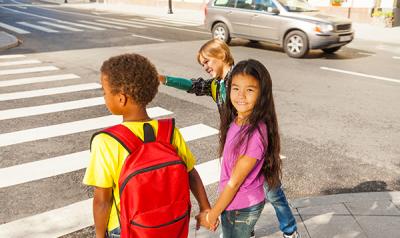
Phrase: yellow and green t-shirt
{"type": "Point", "coordinates": [107, 156]}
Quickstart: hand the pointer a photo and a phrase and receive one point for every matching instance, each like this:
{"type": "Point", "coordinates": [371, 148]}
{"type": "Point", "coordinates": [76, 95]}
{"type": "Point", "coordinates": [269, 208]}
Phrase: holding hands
{"type": "Point", "coordinates": [207, 220]}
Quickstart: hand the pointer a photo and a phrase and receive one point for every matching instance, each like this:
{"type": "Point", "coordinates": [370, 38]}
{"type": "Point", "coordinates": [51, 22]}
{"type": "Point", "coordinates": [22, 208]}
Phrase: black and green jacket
{"type": "Point", "coordinates": [210, 87]}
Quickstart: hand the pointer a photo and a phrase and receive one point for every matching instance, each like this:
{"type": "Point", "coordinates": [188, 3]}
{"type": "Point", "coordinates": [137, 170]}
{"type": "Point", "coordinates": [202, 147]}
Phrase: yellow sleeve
{"type": "Point", "coordinates": [183, 150]}
{"type": "Point", "coordinates": [102, 166]}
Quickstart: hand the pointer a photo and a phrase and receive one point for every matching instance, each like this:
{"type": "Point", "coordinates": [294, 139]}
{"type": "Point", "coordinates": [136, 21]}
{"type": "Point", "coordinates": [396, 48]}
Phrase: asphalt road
{"type": "Point", "coordinates": [339, 114]}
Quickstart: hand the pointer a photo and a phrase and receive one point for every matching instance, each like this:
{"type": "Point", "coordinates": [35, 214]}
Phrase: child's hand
{"type": "Point", "coordinates": [161, 78]}
{"type": "Point", "coordinates": [212, 221]}
{"type": "Point", "coordinates": [202, 221]}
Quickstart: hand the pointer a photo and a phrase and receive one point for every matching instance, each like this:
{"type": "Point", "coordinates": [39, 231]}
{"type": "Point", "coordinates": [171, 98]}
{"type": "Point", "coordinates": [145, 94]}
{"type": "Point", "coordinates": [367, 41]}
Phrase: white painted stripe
{"type": "Point", "coordinates": [20, 62]}
{"type": "Point", "coordinates": [363, 53]}
{"type": "Point", "coordinates": [121, 23]}
{"type": "Point", "coordinates": [20, 7]}
{"type": "Point", "coordinates": [28, 70]}
{"type": "Point", "coordinates": [14, 82]}
{"type": "Point", "coordinates": [46, 132]}
{"type": "Point", "coordinates": [48, 91]}
{"type": "Point", "coordinates": [158, 23]}
{"type": "Point", "coordinates": [40, 28]}
{"type": "Point", "coordinates": [104, 25]}
{"type": "Point", "coordinates": [28, 172]}
{"type": "Point", "coordinates": [59, 26]}
{"type": "Point", "coordinates": [147, 37]}
{"type": "Point", "coordinates": [197, 131]}
{"type": "Point", "coordinates": [54, 223]}
{"type": "Point", "coordinates": [186, 23]}
{"type": "Point", "coordinates": [14, 29]}
{"type": "Point", "coordinates": [82, 25]}
{"type": "Point", "coordinates": [362, 75]}
{"type": "Point", "coordinates": [11, 56]}
{"type": "Point", "coordinates": [175, 28]}
{"type": "Point", "coordinates": [78, 215]}
{"type": "Point", "coordinates": [50, 108]}
{"type": "Point", "coordinates": [396, 57]}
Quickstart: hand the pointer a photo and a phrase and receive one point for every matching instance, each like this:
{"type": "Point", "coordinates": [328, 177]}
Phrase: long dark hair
{"type": "Point", "coordinates": [263, 112]}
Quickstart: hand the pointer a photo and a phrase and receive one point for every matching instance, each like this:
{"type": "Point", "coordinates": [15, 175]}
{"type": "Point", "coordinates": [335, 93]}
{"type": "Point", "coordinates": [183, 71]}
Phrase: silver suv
{"type": "Point", "coordinates": [292, 24]}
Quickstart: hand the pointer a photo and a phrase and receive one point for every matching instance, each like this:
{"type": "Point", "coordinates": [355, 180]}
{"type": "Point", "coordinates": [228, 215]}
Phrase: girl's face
{"type": "Point", "coordinates": [213, 66]}
{"type": "Point", "coordinates": [244, 94]}
{"type": "Point", "coordinates": [112, 101]}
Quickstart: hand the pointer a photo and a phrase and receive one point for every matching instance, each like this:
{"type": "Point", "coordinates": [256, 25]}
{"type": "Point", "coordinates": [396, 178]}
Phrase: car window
{"type": "Point", "coordinates": [245, 4]}
{"type": "Point", "coordinates": [224, 3]}
{"type": "Point", "coordinates": [263, 5]}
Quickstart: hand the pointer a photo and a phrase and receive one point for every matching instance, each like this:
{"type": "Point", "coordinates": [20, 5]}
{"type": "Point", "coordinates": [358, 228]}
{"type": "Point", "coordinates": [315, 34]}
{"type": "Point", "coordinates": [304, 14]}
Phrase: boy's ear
{"type": "Point", "coordinates": [123, 99]}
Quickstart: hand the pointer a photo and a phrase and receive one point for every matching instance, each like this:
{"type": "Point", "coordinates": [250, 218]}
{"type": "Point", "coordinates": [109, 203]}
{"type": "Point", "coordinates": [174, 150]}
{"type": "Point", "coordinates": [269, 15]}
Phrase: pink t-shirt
{"type": "Point", "coordinates": [251, 192]}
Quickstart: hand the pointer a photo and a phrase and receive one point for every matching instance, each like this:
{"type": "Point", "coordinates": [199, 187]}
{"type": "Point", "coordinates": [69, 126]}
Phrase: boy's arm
{"type": "Point", "coordinates": [197, 188]}
{"type": "Point", "coordinates": [102, 202]}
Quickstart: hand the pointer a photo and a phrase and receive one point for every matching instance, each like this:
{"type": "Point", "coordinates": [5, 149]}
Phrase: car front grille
{"type": "Point", "coordinates": [343, 27]}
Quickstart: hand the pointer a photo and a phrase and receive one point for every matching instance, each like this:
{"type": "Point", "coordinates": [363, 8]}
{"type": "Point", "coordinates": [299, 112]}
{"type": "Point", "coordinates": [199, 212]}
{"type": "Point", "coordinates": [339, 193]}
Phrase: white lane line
{"type": "Point", "coordinates": [48, 91]}
{"type": "Point", "coordinates": [20, 62]}
{"type": "Point", "coordinates": [14, 29]}
{"type": "Point", "coordinates": [161, 20]}
{"type": "Point", "coordinates": [396, 57]}
{"type": "Point", "coordinates": [82, 25]}
{"type": "Point", "coordinates": [59, 26]}
{"type": "Point", "coordinates": [41, 79]}
{"type": "Point", "coordinates": [364, 53]}
{"type": "Point", "coordinates": [65, 220]}
{"type": "Point", "coordinates": [50, 224]}
{"type": "Point", "coordinates": [121, 23]}
{"type": "Point", "coordinates": [147, 37]}
{"type": "Point", "coordinates": [40, 28]}
{"type": "Point", "coordinates": [362, 75]}
{"type": "Point", "coordinates": [170, 27]}
{"type": "Point", "coordinates": [28, 172]}
{"type": "Point", "coordinates": [104, 25]}
{"type": "Point", "coordinates": [68, 128]}
{"type": "Point", "coordinates": [50, 108]}
{"type": "Point", "coordinates": [157, 22]}
{"type": "Point", "coordinates": [11, 56]}
{"type": "Point", "coordinates": [28, 70]}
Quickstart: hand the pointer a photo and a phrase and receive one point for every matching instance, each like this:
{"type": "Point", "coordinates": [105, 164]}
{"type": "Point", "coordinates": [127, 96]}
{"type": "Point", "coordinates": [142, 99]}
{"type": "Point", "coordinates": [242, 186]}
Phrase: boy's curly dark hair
{"type": "Point", "coordinates": [133, 75]}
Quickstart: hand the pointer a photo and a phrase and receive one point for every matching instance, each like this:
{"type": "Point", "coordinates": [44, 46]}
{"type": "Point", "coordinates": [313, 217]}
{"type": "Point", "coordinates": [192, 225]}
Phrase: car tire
{"type": "Point", "coordinates": [331, 50]}
{"type": "Point", "coordinates": [296, 44]}
{"type": "Point", "coordinates": [221, 31]}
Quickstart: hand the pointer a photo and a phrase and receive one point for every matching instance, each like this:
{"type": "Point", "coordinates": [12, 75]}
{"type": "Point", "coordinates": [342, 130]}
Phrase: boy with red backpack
{"type": "Point", "coordinates": [141, 169]}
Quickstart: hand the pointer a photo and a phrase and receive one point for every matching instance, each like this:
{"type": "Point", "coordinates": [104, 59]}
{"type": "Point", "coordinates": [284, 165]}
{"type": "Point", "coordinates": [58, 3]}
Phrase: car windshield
{"type": "Point", "coordinates": [297, 5]}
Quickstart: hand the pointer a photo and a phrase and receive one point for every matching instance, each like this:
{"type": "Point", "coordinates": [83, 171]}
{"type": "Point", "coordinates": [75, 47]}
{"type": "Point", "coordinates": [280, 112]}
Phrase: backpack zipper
{"type": "Point", "coordinates": [166, 224]}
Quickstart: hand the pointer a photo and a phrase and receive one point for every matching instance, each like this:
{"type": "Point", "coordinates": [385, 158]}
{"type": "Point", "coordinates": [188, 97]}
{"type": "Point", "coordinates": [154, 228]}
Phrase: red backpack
{"type": "Point", "coordinates": [153, 184]}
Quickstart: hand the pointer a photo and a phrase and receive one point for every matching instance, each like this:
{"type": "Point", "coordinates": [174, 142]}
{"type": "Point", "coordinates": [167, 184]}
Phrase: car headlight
{"type": "Point", "coordinates": [322, 28]}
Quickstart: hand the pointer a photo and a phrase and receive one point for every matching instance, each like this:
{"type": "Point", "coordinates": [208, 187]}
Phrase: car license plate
{"type": "Point", "coordinates": [344, 38]}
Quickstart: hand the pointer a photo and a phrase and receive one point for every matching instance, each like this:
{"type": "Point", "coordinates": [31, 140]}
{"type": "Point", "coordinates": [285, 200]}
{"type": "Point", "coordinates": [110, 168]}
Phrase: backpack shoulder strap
{"type": "Point", "coordinates": [166, 130]}
{"type": "Point", "coordinates": [123, 135]}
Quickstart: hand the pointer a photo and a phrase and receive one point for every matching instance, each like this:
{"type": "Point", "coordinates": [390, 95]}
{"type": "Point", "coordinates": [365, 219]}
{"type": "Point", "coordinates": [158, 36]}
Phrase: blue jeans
{"type": "Point", "coordinates": [114, 233]}
{"type": "Point", "coordinates": [240, 223]}
{"type": "Point", "coordinates": [287, 222]}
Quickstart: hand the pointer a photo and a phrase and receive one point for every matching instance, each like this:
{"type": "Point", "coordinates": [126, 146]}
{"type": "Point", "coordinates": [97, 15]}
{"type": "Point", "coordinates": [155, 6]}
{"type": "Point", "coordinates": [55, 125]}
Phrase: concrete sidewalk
{"type": "Point", "coordinates": [355, 215]}
{"type": "Point", "coordinates": [7, 41]}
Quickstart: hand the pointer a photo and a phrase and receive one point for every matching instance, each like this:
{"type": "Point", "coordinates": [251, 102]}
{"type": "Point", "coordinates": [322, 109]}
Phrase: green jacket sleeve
{"type": "Point", "coordinates": [179, 83]}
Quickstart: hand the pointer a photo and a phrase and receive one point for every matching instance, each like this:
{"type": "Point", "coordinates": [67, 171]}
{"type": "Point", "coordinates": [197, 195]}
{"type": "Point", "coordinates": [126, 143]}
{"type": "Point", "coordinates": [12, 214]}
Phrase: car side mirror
{"type": "Point", "coordinates": [273, 10]}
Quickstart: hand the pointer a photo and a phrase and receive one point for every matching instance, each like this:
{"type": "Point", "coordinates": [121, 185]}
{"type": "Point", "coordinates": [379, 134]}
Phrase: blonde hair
{"type": "Point", "coordinates": [216, 48]}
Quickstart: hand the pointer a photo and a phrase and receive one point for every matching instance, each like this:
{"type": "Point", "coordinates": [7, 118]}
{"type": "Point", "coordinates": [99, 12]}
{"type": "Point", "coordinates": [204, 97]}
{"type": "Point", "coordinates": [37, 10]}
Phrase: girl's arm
{"type": "Point", "coordinates": [102, 202]}
{"type": "Point", "coordinates": [244, 165]}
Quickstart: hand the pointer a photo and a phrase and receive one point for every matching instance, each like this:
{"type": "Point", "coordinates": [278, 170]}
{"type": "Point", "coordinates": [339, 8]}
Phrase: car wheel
{"type": "Point", "coordinates": [296, 44]}
{"type": "Point", "coordinates": [331, 50]}
{"type": "Point", "coordinates": [221, 31]}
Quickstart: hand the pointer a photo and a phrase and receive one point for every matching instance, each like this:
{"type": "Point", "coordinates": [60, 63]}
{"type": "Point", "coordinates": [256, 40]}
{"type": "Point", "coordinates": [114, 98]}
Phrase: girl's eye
{"type": "Point", "coordinates": [235, 89]}
{"type": "Point", "coordinates": [250, 90]}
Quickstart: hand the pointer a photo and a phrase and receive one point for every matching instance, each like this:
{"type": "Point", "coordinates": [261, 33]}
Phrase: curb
{"type": "Point", "coordinates": [7, 41]}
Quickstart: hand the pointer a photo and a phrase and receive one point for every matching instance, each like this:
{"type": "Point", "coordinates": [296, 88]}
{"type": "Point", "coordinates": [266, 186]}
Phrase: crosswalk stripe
{"type": "Point", "coordinates": [121, 23]}
{"type": "Point", "coordinates": [48, 91]}
{"type": "Point", "coordinates": [41, 79]}
{"type": "Point", "coordinates": [50, 108]}
{"type": "Point", "coordinates": [46, 132]}
{"type": "Point", "coordinates": [163, 20]}
{"type": "Point", "coordinates": [20, 62]}
{"type": "Point", "coordinates": [104, 25]}
{"type": "Point", "coordinates": [147, 37]}
{"type": "Point", "coordinates": [41, 28]}
{"type": "Point", "coordinates": [78, 215]}
{"type": "Point", "coordinates": [82, 25]}
{"type": "Point", "coordinates": [137, 23]}
{"type": "Point", "coordinates": [11, 56]}
{"type": "Point", "coordinates": [14, 29]}
{"type": "Point", "coordinates": [28, 172]}
{"type": "Point", "coordinates": [28, 70]}
{"type": "Point", "coordinates": [60, 26]}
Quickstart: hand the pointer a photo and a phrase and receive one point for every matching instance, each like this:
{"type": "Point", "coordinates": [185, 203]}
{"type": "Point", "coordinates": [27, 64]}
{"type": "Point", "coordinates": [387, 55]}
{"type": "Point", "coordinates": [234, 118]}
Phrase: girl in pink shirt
{"type": "Point", "coordinates": [250, 146]}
